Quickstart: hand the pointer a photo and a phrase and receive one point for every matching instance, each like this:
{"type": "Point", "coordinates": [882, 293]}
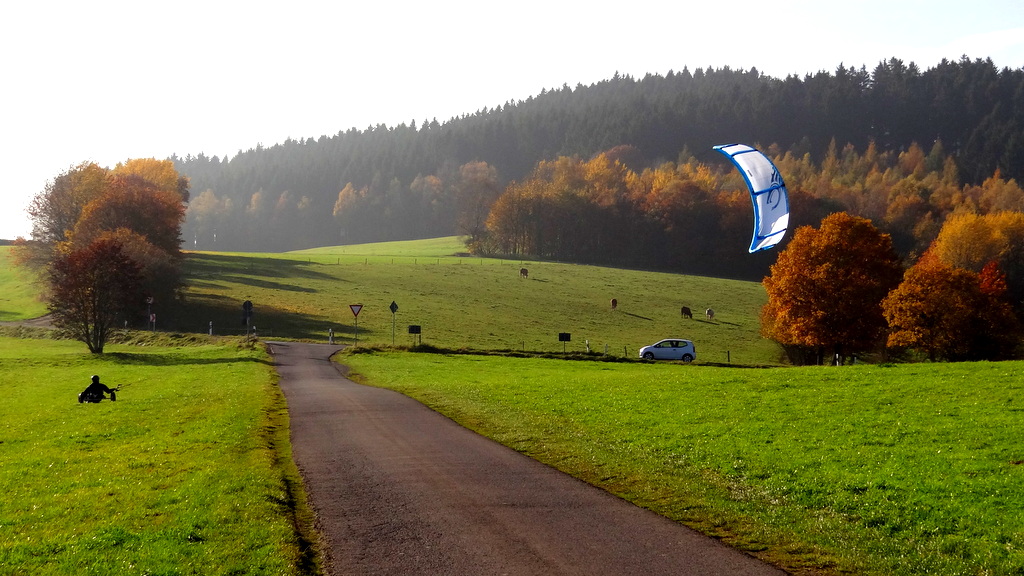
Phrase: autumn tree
{"type": "Point", "coordinates": [136, 204]}
{"type": "Point", "coordinates": [160, 173]}
{"type": "Point", "coordinates": [85, 212]}
{"type": "Point", "coordinates": [971, 241]}
{"type": "Point", "coordinates": [55, 211]}
{"type": "Point", "coordinates": [93, 290]}
{"type": "Point", "coordinates": [475, 192]}
{"type": "Point", "coordinates": [206, 211]}
{"type": "Point", "coordinates": [146, 220]}
{"type": "Point", "coordinates": [826, 288]}
{"type": "Point", "coordinates": [952, 313]}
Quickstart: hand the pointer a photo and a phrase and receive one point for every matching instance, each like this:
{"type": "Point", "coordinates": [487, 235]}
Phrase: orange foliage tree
{"type": "Point", "coordinates": [952, 313]}
{"type": "Point", "coordinates": [138, 207]}
{"type": "Point", "coordinates": [826, 288]}
{"type": "Point", "coordinates": [136, 204]}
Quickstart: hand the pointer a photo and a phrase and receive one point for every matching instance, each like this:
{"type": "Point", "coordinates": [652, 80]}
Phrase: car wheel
{"type": "Point", "coordinates": [687, 358]}
{"type": "Point", "coordinates": [648, 355]}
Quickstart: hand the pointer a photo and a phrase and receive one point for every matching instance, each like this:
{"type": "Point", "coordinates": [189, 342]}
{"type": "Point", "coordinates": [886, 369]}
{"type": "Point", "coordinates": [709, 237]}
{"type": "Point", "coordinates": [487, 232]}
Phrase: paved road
{"type": "Point", "coordinates": [399, 489]}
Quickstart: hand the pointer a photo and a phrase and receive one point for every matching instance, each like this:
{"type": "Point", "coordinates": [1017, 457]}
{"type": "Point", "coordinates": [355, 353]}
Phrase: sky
{"type": "Point", "coordinates": [106, 81]}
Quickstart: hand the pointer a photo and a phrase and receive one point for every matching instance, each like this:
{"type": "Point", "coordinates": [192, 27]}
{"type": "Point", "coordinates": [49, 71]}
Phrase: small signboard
{"type": "Point", "coordinates": [414, 329]}
{"type": "Point", "coordinates": [564, 337]}
{"type": "Point", "coordinates": [355, 308]}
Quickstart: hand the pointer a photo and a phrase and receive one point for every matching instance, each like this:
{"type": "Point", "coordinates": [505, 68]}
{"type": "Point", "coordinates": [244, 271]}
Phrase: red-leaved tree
{"type": "Point", "coordinates": [93, 290]}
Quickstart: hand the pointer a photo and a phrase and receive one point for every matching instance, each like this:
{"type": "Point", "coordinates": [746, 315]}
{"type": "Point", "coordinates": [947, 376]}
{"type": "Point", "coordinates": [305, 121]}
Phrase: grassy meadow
{"type": "Point", "coordinates": [880, 470]}
{"type": "Point", "coordinates": [883, 470]}
{"type": "Point", "coordinates": [19, 293]}
{"type": "Point", "coordinates": [188, 472]}
{"type": "Point", "coordinates": [465, 302]}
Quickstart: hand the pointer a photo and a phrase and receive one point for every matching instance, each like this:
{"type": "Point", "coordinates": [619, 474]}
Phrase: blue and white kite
{"type": "Point", "coordinates": [767, 193]}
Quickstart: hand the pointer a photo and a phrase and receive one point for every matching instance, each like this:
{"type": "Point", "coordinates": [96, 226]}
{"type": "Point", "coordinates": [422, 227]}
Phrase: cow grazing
{"type": "Point", "coordinates": [524, 273]}
{"type": "Point", "coordinates": [615, 303]}
{"type": "Point", "coordinates": [686, 312]}
{"type": "Point", "coordinates": [710, 314]}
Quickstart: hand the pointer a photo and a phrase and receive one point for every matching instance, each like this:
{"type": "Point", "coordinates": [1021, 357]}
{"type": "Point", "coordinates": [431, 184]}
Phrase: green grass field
{"type": "Point", "coordinates": [911, 469]}
{"type": "Point", "coordinates": [463, 302]}
{"type": "Point", "coordinates": [908, 469]}
{"type": "Point", "coordinates": [447, 247]}
{"type": "Point", "coordinates": [189, 472]}
{"type": "Point", "coordinates": [19, 293]}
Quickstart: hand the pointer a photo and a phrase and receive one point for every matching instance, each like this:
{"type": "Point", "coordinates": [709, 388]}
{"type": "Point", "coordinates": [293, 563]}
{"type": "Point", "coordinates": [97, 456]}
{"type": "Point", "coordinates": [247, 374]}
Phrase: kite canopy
{"type": "Point", "coordinates": [767, 193]}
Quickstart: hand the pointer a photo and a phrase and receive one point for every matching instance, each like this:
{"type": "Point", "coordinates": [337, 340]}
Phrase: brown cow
{"type": "Point", "coordinates": [686, 312]}
{"type": "Point", "coordinates": [615, 303]}
{"type": "Point", "coordinates": [524, 273]}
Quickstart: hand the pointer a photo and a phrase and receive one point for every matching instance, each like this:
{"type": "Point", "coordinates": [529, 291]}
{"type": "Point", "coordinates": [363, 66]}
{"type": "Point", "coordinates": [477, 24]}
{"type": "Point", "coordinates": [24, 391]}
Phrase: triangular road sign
{"type": "Point", "coordinates": [355, 309]}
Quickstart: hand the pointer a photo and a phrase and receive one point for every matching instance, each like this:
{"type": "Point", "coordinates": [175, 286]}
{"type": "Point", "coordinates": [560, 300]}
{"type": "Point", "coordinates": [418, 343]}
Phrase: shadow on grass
{"type": "Point", "coordinates": [144, 359]}
{"type": "Point", "coordinates": [216, 266]}
{"type": "Point", "coordinates": [196, 314]}
{"type": "Point", "coordinates": [260, 283]}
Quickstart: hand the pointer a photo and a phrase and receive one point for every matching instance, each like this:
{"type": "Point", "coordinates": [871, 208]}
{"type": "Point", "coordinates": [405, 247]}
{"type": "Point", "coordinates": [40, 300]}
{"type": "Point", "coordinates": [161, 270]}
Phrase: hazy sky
{"type": "Point", "coordinates": [106, 81]}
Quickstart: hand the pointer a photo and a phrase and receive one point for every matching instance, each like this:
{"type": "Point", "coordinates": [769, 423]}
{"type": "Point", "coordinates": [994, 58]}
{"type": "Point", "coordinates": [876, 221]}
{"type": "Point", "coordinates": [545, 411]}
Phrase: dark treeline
{"type": "Point", "coordinates": [435, 179]}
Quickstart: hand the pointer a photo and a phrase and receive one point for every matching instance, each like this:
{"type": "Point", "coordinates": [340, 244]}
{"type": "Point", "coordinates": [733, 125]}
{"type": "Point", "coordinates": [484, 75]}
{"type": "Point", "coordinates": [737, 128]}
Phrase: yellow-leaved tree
{"type": "Point", "coordinates": [971, 241]}
{"type": "Point", "coordinates": [160, 173]}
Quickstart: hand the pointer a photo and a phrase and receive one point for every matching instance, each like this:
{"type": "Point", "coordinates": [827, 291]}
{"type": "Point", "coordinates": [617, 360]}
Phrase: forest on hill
{"type": "Point", "coordinates": [844, 140]}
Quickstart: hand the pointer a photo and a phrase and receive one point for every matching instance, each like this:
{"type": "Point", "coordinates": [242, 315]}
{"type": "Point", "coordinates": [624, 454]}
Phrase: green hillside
{"type": "Point", "coordinates": [467, 302]}
{"type": "Point", "coordinates": [19, 292]}
{"type": "Point", "coordinates": [428, 248]}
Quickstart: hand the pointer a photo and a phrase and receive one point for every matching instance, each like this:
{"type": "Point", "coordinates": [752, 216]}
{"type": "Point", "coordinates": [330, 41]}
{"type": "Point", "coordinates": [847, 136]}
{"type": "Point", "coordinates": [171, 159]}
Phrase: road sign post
{"type": "Point", "coordinates": [394, 308]}
{"type": "Point", "coordinates": [247, 315]}
{"type": "Point", "coordinates": [356, 309]}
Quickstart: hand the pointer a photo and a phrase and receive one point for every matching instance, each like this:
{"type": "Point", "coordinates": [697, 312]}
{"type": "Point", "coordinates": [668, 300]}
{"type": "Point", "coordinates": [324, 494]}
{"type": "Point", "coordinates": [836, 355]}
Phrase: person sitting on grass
{"type": "Point", "coordinates": [95, 392]}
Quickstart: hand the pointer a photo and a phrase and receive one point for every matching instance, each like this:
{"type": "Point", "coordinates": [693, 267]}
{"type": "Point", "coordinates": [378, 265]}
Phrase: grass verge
{"type": "Point", "coordinates": [911, 469]}
{"type": "Point", "coordinates": [187, 473]}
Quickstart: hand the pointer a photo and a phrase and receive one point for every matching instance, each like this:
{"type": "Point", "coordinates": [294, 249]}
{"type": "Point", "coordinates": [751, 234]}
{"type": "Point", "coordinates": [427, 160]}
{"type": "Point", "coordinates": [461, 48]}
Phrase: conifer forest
{"type": "Point", "coordinates": [613, 173]}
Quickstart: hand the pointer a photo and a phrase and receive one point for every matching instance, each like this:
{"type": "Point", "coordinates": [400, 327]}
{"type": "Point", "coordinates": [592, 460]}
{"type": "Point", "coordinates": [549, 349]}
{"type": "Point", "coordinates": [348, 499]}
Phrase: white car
{"type": "Point", "coordinates": [670, 349]}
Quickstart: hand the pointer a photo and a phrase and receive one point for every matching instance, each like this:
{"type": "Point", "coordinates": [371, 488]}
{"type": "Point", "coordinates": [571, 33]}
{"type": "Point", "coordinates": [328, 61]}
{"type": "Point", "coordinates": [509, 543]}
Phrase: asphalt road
{"type": "Point", "coordinates": [400, 489]}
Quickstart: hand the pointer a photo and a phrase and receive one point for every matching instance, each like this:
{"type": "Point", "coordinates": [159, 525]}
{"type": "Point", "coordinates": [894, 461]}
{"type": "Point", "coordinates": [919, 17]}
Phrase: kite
{"type": "Point", "coordinates": [767, 193]}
